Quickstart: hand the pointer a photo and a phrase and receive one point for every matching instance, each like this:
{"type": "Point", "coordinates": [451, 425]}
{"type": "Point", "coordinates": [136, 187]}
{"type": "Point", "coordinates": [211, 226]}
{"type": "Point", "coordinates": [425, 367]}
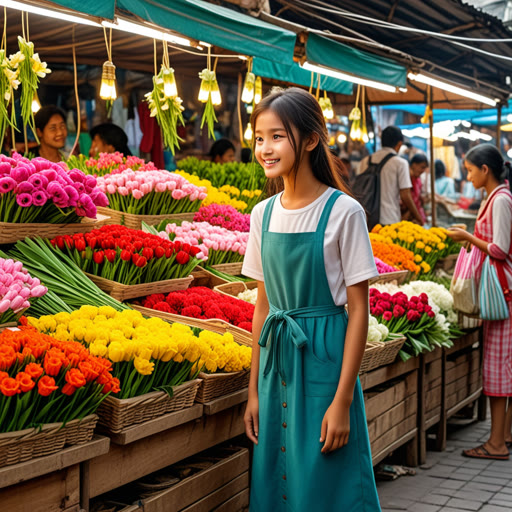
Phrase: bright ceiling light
{"type": "Point", "coordinates": [427, 80]}
{"type": "Point", "coordinates": [144, 30]}
{"type": "Point", "coordinates": [60, 15]}
{"type": "Point", "coordinates": [348, 78]}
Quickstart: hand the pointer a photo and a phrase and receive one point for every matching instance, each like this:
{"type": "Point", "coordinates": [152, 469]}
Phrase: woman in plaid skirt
{"type": "Point", "coordinates": [493, 235]}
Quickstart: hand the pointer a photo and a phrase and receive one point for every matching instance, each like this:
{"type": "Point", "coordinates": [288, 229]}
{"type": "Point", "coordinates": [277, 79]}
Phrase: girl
{"type": "Point", "coordinates": [417, 166]}
{"type": "Point", "coordinates": [51, 129]}
{"type": "Point", "coordinates": [493, 233]}
{"type": "Point", "coordinates": [310, 252]}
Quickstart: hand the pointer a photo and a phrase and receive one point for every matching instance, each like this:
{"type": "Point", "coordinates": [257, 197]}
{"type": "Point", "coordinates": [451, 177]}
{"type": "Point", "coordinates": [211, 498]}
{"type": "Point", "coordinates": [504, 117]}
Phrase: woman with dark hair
{"type": "Point", "coordinates": [493, 236]}
{"type": "Point", "coordinates": [310, 252]}
{"type": "Point", "coordinates": [444, 185]}
{"type": "Point", "coordinates": [417, 166]}
{"type": "Point", "coordinates": [108, 138]}
{"type": "Point", "coordinates": [222, 151]}
{"type": "Point", "coordinates": [51, 130]}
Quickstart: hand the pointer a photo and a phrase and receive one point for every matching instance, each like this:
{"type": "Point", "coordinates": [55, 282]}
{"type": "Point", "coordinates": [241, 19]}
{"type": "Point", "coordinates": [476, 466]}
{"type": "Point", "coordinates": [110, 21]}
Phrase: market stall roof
{"type": "Point", "coordinates": [294, 74]}
{"type": "Point", "coordinates": [98, 8]}
{"type": "Point", "coordinates": [419, 34]}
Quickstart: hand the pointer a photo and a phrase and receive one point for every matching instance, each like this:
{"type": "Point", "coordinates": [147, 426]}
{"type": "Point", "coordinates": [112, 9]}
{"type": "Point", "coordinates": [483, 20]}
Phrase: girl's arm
{"type": "Point", "coordinates": [336, 423]}
{"type": "Point", "coordinates": [252, 409]}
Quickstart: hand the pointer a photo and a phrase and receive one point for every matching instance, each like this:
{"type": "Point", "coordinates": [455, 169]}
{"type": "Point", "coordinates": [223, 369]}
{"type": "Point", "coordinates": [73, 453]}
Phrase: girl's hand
{"type": "Point", "coordinates": [335, 427]}
{"type": "Point", "coordinates": [251, 419]}
{"type": "Point", "coordinates": [458, 234]}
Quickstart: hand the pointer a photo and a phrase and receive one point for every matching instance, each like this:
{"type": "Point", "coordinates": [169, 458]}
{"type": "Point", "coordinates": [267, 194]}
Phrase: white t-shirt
{"type": "Point", "coordinates": [347, 250]}
{"type": "Point", "coordinates": [394, 177]}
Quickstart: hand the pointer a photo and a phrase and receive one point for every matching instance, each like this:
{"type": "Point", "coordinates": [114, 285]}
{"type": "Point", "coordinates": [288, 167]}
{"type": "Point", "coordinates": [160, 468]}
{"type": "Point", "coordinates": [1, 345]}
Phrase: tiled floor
{"type": "Point", "coordinates": [449, 482]}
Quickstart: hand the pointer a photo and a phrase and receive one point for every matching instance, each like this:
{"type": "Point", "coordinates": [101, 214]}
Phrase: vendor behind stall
{"type": "Point", "coordinates": [108, 138]}
{"type": "Point", "coordinates": [51, 130]}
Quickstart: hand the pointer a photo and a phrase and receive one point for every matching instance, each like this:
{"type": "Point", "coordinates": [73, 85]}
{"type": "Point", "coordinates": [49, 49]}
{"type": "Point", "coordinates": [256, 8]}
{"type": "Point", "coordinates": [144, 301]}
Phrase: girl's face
{"type": "Point", "coordinates": [273, 148]}
{"type": "Point", "coordinates": [477, 175]}
{"type": "Point", "coordinates": [54, 133]}
{"type": "Point", "coordinates": [417, 169]}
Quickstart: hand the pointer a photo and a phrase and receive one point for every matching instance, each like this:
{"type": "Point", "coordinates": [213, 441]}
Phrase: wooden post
{"type": "Point", "coordinates": [442, 430]}
{"type": "Point", "coordinates": [84, 486]}
{"type": "Point", "coordinates": [498, 128]}
{"type": "Point", "coordinates": [422, 395]}
{"type": "Point", "coordinates": [432, 168]}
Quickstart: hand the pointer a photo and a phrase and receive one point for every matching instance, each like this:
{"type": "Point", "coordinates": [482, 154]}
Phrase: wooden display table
{"type": "Point", "coordinates": [48, 484]}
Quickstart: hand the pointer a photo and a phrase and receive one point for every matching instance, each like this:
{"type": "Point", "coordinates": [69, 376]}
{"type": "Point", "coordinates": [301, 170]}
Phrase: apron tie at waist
{"type": "Point", "coordinates": [281, 324]}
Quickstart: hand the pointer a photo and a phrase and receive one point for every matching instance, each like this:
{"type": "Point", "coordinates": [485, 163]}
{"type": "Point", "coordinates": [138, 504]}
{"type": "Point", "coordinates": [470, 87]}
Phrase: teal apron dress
{"type": "Point", "coordinates": [301, 353]}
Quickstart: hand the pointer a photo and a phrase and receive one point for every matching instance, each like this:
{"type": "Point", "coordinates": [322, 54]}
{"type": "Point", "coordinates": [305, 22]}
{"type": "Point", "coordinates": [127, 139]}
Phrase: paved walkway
{"type": "Point", "coordinates": [449, 482]}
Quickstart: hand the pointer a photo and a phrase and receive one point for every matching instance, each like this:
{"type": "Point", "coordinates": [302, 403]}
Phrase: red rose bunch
{"type": "Point", "coordinates": [129, 256]}
{"type": "Point", "coordinates": [36, 370]}
{"type": "Point", "coordinates": [202, 303]}
{"type": "Point", "coordinates": [413, 317]}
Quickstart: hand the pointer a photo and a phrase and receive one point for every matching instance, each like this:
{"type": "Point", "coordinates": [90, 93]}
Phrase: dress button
{"type": "Point", "coordinates": [284, 425]}
{"type": "Point", "coordinates": [284, 477]}
{"type": "Point", "coordinates": [284, 405]}
{"type": "Point", "coordinates": [283, 383]}
{"type": "Point", "coordinates": [283, 449]}
{"type": "Point", "coordinates": [284, 496]}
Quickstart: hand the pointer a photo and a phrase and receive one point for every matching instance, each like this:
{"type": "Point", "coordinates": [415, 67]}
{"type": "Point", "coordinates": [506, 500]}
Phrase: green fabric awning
{"type": "Point", "coordinates": [100, 8]}
{"type": "Point", "coordinates": [296, 75]}
{"type": "Point", "coordinates": [216, 25]}
{"type": "Point", "coordinates": [326, 52]}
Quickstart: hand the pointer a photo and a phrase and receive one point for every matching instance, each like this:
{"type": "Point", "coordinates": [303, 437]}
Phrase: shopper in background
{"type": "Point", "coordinates": [310, 252]}
{"type": "Point", "coordinates": [493, 236]}
{"type": "Point", "coordinates": [417, 166]}
{"type": "Point", "coordinates": [444, 185]}
{"type": "Point", "coordinates": [50, 122]}
{"type": "Point", "coordinates": [222, 151]}
{"type": "Point", "coordinates": [395, 180]}
{"type": "Point", "coordinates": [108, 138]}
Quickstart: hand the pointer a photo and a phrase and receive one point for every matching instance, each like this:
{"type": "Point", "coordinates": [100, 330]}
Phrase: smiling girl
{"type": "Point", "coordinates": [310, 253]}
{"type": "Point", "coordinates": [493, 236]}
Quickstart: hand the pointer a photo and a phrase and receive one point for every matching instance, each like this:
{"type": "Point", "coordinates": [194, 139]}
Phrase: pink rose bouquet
{"type": "Point", "coordinates": [220, 245]}
{"type": "Point", "coordinates": [151, 192]}
{"type": "Point", "coordinates": [109, 163]}
{"type": "Point", "coordinates": [17, 287]}
{"type": "Point", "coordinates": [225, 216]}
{"type": "Point", "coordinates": [384, 268]}
{"type": "Point", "coordinates": [42, 191]}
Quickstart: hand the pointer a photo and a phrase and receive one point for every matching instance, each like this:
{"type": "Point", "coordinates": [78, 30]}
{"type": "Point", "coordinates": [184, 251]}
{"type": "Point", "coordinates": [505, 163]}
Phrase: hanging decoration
{"type": "Point", "coordinates": [249, 84]}
{"type": "Point", "coordinates": [30, 69]}
{"type": "Point", "coordinates": [248, 133]}
{"type": "Point", "coordinates": [355, 117]}
{"type": "Point", "coordinates": [258, 90]}
{"type": "Point", "coordinates": [209, 94]}
{"type": "Point", "coordinates": [108, 90]}
{"type": "Point", "coordinates": [326, 105]}
{"type": "Point", "coordinates": [164, 102]}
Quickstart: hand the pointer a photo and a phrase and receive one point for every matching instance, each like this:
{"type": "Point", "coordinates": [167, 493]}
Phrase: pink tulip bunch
{"type": "Point", "coordinates": [225, 216]}
{"type": "Point", "coordinates": [17, 287]}
{"type": "Point", "coordinates": [151, 192]}
{"type": "Point", "coordinates": [114, 163]}
{"type": "Point", "coordinates": [384, 268]}
{"type": "Point", "coordinates": [42, 191]}
{"type": "Point", "coordinates": [219, 245]}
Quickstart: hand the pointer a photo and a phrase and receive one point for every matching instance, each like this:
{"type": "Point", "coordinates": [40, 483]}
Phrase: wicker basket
{"type": "Point", "coordinates": [203, 277]}
{"type": "Point", "coordinates": [233, 289]}
{"type": "Point", "coordinates": [219, 384]}
{"type": "Point", "coordinates": [399, 276]}
{"type": "Point", "coordinates": [468, 321]}
{"type": "Point", "coordinates": [11, 232]}
{"type": "Point", "coordinates": [117, 414]}
{"type": "Point", "coordinates": [233, 269]}
{"type": "Point", "coordinates": [7, 325]}
{"type": "Point", "coordinates": [388, 350]}
{"type": "Point", "coordinates": [369, 357]}
{"type": "Point", "coordinates": [130, 291]}
{"type": "Point", "coordinates": [241, 336]}
{"type": "Point", "coordinates": [133, 221]}
{"type": "Point", "coordinates": [28, 444]}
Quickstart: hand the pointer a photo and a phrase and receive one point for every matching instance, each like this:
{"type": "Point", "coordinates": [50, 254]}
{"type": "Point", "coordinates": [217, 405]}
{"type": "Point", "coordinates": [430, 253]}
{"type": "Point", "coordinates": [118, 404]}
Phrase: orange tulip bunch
{"type": "Point", "coordinates": [43, 380]}
{"type": "Point", "coordinates": [394, 255]}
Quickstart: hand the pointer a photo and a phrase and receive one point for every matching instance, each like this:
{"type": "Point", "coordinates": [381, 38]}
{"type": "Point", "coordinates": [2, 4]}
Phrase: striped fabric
{"type": "Point", "coordinates": [490, 295]}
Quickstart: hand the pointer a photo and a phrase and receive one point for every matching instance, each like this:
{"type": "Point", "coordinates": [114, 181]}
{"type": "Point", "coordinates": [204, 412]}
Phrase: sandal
{"type": "Point", "coordinates": [480, 452]}
{"type": "Point", "coordinates": [508, 444]}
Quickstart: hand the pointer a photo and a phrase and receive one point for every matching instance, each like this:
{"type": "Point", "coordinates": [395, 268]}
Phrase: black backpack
{"type": "Point", "coordinates": [366, 189]}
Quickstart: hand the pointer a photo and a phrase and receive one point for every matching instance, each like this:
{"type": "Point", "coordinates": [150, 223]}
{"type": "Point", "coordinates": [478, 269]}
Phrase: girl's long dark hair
{"type": "Point", "coordinates": [487, 154]}
{"type": "Point", "coordinates": [298, 108]}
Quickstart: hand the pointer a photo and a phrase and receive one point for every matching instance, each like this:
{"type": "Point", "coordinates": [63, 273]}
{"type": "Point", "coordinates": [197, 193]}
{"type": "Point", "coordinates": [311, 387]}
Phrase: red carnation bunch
{"type": "Point", "coordinates": [202, 303]}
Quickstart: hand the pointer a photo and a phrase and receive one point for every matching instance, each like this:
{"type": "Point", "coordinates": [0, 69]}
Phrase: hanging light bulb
{"type": "Point", "coordinates": [36, 104]}
{"type": "Point", "coordinates": [248, 91]}
{"type": "Point", "coordinates": [204, 92]}
{"type": "Point", "coordinates": [248, 132]}
{"type": "Point", "coordinates": [342, 138]}
{"type": "Point", "coordinates": [258, 90]}
{"type": "Point", "coordinates": [355, 130]}
{"type": "Point", "coordinates": [170, 89]}
{"type": "Point", "coordinates": [108, 82]}
{"type": "Point", "coordinates": [215, 92]}
{"type": "Point", "coordinates": [326, 106]}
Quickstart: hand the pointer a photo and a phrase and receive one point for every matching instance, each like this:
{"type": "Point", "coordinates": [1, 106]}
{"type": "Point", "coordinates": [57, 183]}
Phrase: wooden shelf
{"type": "Point", "coordinates": [225, 402]}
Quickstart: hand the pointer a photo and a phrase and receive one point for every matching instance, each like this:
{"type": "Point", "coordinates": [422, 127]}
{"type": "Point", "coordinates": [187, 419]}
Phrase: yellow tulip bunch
{"type": "Point", "coordinates": [146, 353]}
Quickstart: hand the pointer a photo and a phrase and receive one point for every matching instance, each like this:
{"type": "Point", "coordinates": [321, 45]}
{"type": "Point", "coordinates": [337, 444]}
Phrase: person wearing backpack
{"type": "Point", "coordinates": [383, 180]}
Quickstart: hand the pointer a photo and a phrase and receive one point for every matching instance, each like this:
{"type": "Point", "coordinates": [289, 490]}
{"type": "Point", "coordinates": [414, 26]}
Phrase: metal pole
{"type": "Point", "coordinates": [432, 168]}
{"type": "Point", "coordinates": [498, 128]}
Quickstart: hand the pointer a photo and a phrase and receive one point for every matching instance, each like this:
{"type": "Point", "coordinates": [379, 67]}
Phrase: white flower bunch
{"type": "Point", "coordinates": [249, 295]}
{"type": "Point", "coordinates": [376, 331]}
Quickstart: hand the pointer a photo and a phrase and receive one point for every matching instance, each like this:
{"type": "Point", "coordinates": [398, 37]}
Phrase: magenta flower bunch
{"type": "Point", "coordinates": [384, 268]}
{"type": "Point", "coordinates": [151, 192]}
{"type": "Point", "coordinates": [17, 287]}
{"type": "Point", "coordinates": [225, 216]}
{"type": "Point", "coordinates": [42, 191]}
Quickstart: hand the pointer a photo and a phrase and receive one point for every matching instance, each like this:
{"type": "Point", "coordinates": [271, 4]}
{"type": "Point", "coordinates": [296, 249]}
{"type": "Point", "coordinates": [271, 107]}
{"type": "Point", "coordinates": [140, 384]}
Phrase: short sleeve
{"type": "Point", "coordinates": [502, 222]}
{"type": "Point", "coordinates": [356, 251]}
{"type": "Point", "coordinates": [252, 266]}
{"type": "Point", "coordinates": [404, 176]}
